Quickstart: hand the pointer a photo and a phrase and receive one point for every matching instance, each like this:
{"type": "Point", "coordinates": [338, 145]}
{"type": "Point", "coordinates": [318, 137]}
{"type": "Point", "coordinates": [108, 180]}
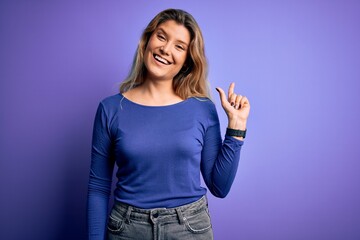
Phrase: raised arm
{"type": "Point", "coordinates": [220, 160]}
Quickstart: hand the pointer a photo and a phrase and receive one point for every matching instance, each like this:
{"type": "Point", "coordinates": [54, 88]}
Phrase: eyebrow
{"type": "Point", "coordinates": [162, 30]}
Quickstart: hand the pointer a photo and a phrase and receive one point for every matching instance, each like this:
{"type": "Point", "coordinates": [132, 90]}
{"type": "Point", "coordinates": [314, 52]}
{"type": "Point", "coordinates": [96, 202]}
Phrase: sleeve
{"type": "Point", "coordinates": [100, 177]}
{"type": "Point", "coordinates": [219, 159]}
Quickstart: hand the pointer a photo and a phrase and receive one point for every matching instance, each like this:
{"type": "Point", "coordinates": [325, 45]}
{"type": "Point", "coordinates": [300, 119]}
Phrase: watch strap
{"type": "Point", "coordinates": [235, 132]}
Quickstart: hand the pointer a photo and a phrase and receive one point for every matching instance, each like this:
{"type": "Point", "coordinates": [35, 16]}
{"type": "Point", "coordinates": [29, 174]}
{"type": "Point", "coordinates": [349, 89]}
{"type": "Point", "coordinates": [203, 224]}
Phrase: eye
{"type": "Point", "coordinates": [161, 37]}
{"type": "Point", "coordinates": [180, 47]}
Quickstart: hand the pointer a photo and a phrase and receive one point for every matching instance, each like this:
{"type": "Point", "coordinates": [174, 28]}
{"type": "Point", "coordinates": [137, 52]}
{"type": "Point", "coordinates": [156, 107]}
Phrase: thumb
{"type": "Point", "coordinates": [222, 96]}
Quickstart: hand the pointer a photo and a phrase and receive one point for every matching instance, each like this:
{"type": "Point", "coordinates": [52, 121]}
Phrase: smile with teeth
{"type": "Point", "coordinates": [162, 60]}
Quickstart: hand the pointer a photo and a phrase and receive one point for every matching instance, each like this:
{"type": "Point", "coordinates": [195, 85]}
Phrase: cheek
{"type": "Point", "coordinates": [147, 53]}
{"type": "Point", "coordinates": [148, 47]}
{"type": "Point", "coordinates": [181, 58]}
{"type": "Point", "coordinates": [153, 42]}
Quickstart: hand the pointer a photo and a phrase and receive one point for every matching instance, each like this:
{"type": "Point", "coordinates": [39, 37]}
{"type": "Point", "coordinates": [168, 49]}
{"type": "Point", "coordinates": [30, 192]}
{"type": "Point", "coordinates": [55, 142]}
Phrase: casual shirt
{"type": "Point", "coordinates": [160, 152]}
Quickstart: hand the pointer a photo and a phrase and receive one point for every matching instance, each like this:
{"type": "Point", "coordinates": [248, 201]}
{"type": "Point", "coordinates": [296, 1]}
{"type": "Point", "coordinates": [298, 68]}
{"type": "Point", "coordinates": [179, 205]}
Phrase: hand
{"type": "Point", "coordinates": [236, 107]}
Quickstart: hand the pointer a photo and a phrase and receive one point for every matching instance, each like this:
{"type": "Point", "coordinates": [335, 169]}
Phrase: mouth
{"type": "Point", "coordinates": [161, 60]}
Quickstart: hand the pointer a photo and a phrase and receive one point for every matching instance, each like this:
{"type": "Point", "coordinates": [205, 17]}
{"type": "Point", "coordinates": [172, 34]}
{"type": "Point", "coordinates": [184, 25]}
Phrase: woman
{"type": "Point", "coordinates": [162, 131]}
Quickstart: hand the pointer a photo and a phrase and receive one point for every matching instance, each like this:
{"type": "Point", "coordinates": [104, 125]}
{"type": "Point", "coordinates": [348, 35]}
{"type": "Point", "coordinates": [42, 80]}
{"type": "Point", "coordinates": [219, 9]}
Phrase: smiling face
{"type": "Point", "coordinates": [166, 51]}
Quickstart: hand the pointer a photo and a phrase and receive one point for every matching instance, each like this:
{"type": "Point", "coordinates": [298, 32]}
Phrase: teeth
{"type": "Point", "coordinates": [162, 59]}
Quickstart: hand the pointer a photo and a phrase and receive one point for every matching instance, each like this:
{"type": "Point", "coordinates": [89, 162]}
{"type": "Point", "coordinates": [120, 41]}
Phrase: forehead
{"type": "Point", "coordinates": [175, 30]}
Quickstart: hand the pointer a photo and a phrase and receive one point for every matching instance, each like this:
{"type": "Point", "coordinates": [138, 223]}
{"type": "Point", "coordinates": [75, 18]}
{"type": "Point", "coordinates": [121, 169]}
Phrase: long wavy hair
{"type": "Point", "coordinates": [191, 81]}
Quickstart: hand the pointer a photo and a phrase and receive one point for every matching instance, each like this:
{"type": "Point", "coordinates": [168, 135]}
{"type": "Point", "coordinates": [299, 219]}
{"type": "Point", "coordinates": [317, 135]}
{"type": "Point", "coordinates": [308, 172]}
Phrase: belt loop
{"type": "Point", "coordinates": [128, 213]}
{"type": "Point", "coordinates": [180, 216]}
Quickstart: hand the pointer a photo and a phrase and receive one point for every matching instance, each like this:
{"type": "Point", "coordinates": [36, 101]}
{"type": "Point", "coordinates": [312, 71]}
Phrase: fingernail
{"type": "Point", "coordinates": [217, 89]}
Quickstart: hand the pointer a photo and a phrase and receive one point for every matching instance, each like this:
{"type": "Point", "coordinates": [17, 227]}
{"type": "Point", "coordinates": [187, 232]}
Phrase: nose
{"type": "Point", "coordinates": [164, 49]}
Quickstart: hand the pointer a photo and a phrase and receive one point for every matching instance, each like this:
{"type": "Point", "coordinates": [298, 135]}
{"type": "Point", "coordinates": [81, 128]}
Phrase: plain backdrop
{"type": "Point", "coordinates": [297, 61]}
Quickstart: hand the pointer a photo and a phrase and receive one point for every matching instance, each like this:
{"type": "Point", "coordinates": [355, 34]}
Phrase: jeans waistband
{"type": "Point", "coordinates": [180, 213]}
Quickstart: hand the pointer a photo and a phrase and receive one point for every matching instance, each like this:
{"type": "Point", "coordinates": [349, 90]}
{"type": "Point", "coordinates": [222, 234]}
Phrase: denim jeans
{"type": "Point", "coordinates": [191, 221]}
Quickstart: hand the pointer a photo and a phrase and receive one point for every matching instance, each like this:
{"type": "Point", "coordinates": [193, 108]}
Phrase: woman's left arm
{"type": "Point", "coordinates": [219, 160]}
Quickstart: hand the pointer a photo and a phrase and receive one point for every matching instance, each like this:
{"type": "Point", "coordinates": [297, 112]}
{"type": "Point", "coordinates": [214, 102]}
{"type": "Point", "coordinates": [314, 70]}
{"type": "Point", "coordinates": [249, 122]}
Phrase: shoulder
{"type": "Point", "coordinates": [111, 103]}
{"type": "Point", "coordinates": [204, 108]}
{"type": "Point", "coordinates": [204, 104]}
{"type": "Point", "coordinates": [110, 100]}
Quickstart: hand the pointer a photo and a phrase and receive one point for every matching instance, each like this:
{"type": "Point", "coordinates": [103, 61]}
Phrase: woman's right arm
{"type": "Point", "coordinates": [100, 177]}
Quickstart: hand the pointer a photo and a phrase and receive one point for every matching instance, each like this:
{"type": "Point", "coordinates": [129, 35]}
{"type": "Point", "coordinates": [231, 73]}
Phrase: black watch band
{"type": "Point", "coordinates": [235, 132]}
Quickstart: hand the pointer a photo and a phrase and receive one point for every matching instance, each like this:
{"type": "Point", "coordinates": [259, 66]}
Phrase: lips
{"type": "Point", "coordinates": [161, 60]}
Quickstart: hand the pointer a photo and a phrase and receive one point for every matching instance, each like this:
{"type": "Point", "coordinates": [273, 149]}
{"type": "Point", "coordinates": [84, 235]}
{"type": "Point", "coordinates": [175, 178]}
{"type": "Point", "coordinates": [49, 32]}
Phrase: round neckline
{"type": "Point", "coordinates": [153, 106]}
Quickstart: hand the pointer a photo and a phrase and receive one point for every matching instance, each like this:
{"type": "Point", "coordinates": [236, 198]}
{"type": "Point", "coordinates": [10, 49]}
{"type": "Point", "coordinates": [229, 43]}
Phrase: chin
{"type": "Point", "coordinates": [159, 74]}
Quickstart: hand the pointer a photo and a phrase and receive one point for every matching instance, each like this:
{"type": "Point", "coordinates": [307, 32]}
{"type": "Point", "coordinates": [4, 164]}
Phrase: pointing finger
{"type": "Point", "coordinates": [231, 90]}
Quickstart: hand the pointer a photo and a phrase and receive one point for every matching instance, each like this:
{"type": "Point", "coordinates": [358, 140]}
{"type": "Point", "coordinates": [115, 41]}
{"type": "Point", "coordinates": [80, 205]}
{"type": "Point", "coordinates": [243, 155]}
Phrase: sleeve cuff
{"type": "Point", "coordinates": [233, 141]}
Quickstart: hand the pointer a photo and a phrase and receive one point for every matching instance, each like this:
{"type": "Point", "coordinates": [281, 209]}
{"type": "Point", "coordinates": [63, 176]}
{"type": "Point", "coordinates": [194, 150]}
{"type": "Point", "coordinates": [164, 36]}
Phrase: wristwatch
{"type": "Point", "coordinates": [235, 132]}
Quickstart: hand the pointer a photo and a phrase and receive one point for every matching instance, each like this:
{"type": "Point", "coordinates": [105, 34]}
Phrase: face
{"type": "Point", "coordinates": [166, 51]}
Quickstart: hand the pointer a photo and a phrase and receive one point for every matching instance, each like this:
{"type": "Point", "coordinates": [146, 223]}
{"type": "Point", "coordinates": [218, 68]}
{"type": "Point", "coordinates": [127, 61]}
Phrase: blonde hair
{"type": "Point", "coordinates": [191, 81]}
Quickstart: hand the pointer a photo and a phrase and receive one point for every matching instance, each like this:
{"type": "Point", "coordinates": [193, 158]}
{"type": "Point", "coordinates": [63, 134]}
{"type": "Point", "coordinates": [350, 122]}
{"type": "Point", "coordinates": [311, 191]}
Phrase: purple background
{"type": "Point", "coordinates": [297, 61]}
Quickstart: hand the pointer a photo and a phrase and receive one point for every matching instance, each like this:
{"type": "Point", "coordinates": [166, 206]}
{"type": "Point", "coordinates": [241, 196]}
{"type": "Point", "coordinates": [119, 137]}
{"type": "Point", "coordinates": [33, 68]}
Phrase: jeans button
{"type": "Point", "coordinates": [156, 214]}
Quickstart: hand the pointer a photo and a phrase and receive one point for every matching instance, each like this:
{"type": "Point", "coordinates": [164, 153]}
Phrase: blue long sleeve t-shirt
{"type": "Point", "coordinates": [160, 152]}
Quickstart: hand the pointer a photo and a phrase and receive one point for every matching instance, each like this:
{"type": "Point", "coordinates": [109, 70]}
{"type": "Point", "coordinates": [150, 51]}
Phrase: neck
{"type": "Point", "coordinates": [153, 93]}
{"type": "Point", "coordinates": [158, 89]}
